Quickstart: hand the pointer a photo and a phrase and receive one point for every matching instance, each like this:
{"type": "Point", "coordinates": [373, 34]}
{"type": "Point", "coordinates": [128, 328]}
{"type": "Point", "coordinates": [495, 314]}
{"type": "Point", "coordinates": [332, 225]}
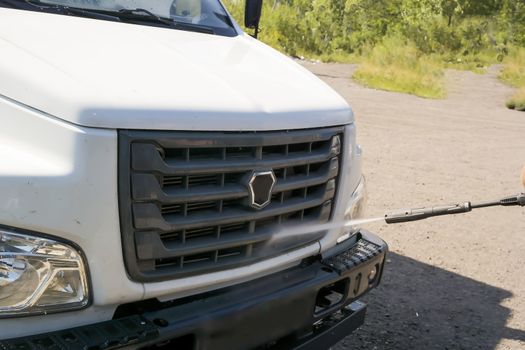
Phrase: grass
{"type": "Point", "coordinates": [517, 101]}
{"type": "Point", "coordinates": [477, 63]}
{"type": "Point", "coordinates": [513, 73]}
{"type": "Point", "coordinates": [337, 57]}
{"type": "Point", "coordinates": [396, 65]}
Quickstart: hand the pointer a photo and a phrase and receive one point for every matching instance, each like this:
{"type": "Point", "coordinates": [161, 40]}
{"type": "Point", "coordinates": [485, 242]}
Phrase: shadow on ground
{"type": "Point", "coordinates": [419, 306]}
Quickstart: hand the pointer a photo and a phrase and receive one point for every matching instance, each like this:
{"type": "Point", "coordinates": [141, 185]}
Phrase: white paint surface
{"type": "Point", "coordinates": [114, 75]}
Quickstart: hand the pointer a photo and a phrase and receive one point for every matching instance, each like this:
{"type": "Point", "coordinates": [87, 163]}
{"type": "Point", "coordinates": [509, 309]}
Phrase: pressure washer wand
{"type": "Point", "coordinates": [425, 213]}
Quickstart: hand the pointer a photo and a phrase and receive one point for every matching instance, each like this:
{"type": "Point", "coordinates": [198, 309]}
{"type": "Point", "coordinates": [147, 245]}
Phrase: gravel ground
{"type": "Point", "coordinates": [451, 282]}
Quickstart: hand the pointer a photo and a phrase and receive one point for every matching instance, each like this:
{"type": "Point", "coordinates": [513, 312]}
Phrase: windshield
{"type": "Point", "coordinates": [208, 14]}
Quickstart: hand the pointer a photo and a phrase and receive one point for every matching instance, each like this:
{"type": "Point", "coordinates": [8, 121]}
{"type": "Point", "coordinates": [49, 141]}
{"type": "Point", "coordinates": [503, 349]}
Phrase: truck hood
{"type": "Point", "coordinates": [112, 75]}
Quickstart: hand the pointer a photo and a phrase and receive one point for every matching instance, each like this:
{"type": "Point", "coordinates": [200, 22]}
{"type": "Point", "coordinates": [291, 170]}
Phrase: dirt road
{"type": "Point", "coordinates": [455, 282]}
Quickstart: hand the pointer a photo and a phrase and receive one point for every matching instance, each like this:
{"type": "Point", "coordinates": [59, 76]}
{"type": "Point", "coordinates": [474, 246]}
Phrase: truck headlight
{"type": "Point", "coordinates": [355, 210]}
{"type": "Point", "coordinates": [39, 275]}
{"type": "Point", "coordinates": [357, 204]}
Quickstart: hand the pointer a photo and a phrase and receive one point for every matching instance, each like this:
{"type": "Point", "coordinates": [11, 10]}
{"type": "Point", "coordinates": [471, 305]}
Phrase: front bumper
{"type": "Point", "coordinates": [311, 306]}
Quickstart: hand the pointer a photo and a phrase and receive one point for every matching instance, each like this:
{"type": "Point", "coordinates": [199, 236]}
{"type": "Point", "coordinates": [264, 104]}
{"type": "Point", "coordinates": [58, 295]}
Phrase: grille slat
{"type": "Point", "coordinates": [185, 198]}
{"type": "Point", "coordinates": [200, 245]}
{"type": "Point", "coordinates": [146, 187]}
{"type": "Point", "coordinates": [148, 217]}
{"type": "Point", "coordinates": [154, 162]}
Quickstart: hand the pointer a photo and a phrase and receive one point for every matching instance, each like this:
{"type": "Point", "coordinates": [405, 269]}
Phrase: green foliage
{"type": "Point", "coordinates": [513, 73]}
{"type": "Point", "coordinates": [399, 66]}
{"type": "Point", "coordinates": [455, 28]}
{"type": "Point", "coordinates": [462, 34]}
{"type": "Point", "coordinates": [517, 101]}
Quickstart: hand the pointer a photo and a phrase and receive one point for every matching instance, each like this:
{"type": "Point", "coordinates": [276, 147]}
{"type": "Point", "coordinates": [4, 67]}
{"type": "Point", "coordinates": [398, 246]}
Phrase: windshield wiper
{"type": "Point", "coordinates": [141, 14]}
{"type": "Point", "coordinates": [122, 15]}
{"type": "Point", "coordinates": [68, 10]}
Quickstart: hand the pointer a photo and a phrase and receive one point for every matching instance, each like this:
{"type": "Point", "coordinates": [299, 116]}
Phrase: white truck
{"type": "Point", "coordinates": [168, 180]}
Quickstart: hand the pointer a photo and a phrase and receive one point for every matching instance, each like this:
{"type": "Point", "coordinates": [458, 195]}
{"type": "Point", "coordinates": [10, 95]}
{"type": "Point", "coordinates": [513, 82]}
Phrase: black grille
{"type": "Point", "coordinates": [184, 198]}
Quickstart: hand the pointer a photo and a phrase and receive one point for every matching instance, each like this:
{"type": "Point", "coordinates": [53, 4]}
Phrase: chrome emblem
{"type": "Point", "coordinates": [260, 185]}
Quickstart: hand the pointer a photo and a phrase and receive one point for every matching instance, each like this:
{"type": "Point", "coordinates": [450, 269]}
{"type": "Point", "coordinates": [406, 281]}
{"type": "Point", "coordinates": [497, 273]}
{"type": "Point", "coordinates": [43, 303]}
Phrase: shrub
{"type": "Point", "coordinates": [513, 72]}
{"type": "Point", "coordinates": [399, 66]}
{"type": "Point", "coordinates": [517, 101]}
{"type": "Point", "coordinates": [462, 34]}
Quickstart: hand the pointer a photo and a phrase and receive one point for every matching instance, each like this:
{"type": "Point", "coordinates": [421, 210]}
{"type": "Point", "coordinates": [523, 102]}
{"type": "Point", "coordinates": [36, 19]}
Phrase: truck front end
{"type": "Point", "coordinates": [179, 185]}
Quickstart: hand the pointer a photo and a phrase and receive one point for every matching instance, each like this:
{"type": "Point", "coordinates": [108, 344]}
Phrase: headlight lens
{"type": "Point", "coordinates": [355, 210]}
{"type": "Point", "coordinates": [39, 275]}
{"type": "Point", "coordinates": [357, 204]}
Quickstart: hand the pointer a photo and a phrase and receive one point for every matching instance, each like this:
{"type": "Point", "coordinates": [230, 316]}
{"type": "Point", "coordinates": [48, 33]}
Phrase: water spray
{"type": "Point", "coordinates": [396, 217]}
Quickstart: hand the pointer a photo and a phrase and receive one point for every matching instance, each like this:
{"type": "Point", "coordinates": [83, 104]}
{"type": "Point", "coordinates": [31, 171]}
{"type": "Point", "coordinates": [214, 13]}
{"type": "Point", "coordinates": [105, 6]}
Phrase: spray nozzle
{"type": "Point", "coordinates": [424, 213]}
